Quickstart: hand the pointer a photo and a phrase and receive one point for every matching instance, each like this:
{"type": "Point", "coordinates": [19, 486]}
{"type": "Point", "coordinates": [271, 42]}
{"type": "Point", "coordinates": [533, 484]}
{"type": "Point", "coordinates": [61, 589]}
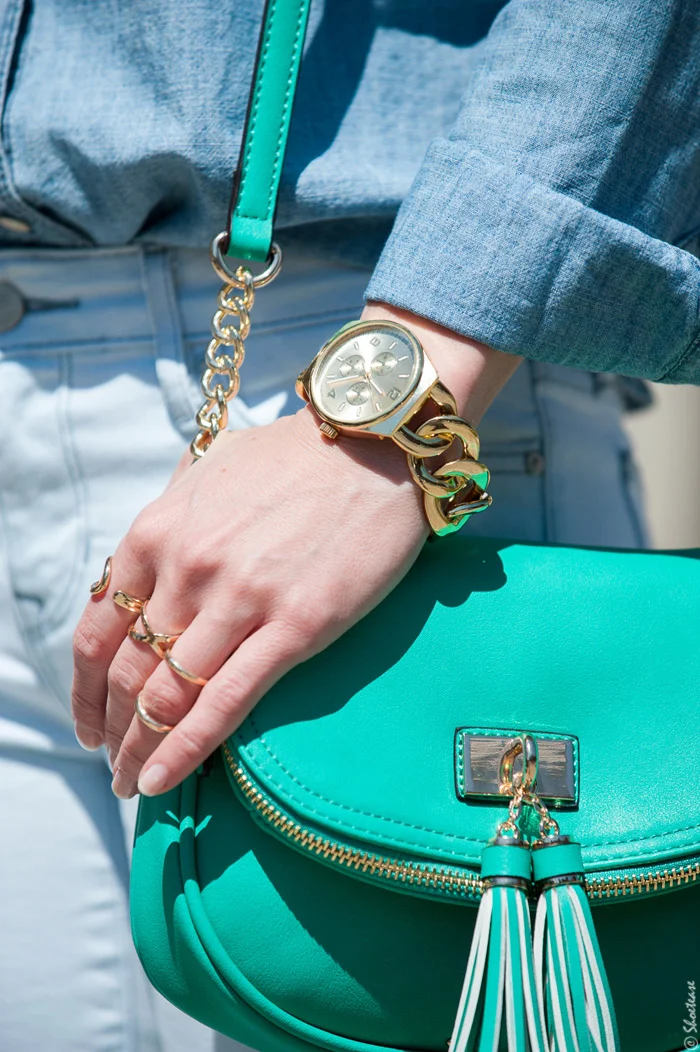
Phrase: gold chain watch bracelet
{"type": "Point", "coordinates": [457, 488]}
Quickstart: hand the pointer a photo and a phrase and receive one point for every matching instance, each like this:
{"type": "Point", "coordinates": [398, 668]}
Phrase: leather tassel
{"type": "Point", "coordinates": [572, 987]}
{"type": "Point", "coordinates": [499, 997]}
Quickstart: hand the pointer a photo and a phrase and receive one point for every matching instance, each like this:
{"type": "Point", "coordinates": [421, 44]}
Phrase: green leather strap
{"type": "Point", "coordinates": [257, 177]}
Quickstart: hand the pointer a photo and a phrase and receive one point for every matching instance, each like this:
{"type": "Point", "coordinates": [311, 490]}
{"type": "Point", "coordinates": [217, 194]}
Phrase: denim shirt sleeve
{"type": "Point", "coordinates": [549, 222]}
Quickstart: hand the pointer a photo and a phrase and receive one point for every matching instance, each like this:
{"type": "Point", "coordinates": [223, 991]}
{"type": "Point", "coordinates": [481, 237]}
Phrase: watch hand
{"type": "Point", "coordinates": [344, 379]}
{"type": "Point", "coordinates": [373, 383]}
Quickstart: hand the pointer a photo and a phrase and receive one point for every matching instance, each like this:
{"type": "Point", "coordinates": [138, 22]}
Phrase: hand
{"type": "Point", "coordinates": [261, 554]}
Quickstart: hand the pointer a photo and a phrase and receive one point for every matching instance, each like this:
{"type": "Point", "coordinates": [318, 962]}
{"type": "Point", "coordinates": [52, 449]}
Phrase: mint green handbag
{"type": "Point", "coordinates": [319, 882]}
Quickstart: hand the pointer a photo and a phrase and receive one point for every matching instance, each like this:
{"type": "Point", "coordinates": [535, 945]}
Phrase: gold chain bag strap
{"type": "Point", "coordinates": [251, 211]}
{"type": "Point", "coordinates": [225, 352]}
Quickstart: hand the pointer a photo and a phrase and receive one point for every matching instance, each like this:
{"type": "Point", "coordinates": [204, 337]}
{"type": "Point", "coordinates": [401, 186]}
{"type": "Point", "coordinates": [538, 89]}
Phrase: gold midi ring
{"type": "Point", "coordinates": [158, 640]}
{"type": "Point", "coordinates": [101, 586]}
{"type": "Point", "coordinates": [148, 721]}
{"type": "Point", "coordinates": [129, 602]}
{"type": "Point", "coordinates": [174, 664]}
{"type": "Point", "coordinates": [139, 637]}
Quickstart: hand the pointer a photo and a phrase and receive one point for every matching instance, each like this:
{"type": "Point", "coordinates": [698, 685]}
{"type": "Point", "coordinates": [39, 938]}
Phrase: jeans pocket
{"type": "Point", "coordinates": [41, 492]}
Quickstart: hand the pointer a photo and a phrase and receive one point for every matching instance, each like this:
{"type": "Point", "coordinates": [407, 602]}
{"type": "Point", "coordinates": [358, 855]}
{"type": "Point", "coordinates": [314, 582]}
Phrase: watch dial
{"type": "Point", "coordinates": [366, 376]}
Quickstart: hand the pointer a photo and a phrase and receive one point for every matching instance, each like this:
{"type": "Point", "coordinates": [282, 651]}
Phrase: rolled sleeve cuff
{"type": "Point", "coordinates": [526, 269]}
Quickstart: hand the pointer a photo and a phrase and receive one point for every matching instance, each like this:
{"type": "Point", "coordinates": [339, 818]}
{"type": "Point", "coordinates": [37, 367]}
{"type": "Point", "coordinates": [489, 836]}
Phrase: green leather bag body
{"type": "Point", "coordinates": [316, 884]}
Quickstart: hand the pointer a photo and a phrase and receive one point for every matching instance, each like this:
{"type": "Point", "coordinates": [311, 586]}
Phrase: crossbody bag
{"type": "Point", "coordinates": [470, 823]}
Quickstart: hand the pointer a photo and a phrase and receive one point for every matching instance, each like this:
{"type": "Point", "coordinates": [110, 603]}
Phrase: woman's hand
{"type": "Point", "coordinates": [261, 554]}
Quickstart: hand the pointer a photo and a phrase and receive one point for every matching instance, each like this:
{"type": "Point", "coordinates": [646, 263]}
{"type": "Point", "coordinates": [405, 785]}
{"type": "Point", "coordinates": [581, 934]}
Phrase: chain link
{"type": "Point", "coordinates": [511, 826]}
{"type": "Point", "coordinates": [549, 827]}
{"type": "Point", "coordinates": [521, 797]}
{"type": "Point", "coordinates": [230, 327]}
{"type": "Point", "coordinates": [455, 490]}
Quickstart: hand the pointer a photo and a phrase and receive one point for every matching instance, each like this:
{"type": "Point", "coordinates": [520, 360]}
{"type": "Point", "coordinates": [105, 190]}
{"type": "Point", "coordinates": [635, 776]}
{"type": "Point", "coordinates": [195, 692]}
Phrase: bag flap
{"type": "Point", "coordinates": [602, 646]}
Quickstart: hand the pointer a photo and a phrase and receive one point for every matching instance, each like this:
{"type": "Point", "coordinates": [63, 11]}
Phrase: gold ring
{"type": "Point", "coordinates": [138, 637]}
{"type": "Point", "coordinates": [148, 721]}
{"type": "Point", "coordinates": [101, 586]}
{"type": "Point", "coordinates": [129, 602]}
{"type": "Point", "coordinates": [175, 665]}
{"type": "Point", "coordinates": [158, 639]}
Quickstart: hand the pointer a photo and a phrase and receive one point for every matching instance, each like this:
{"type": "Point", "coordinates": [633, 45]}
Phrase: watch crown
{"type": "Point", "coordinates": [328, 430]}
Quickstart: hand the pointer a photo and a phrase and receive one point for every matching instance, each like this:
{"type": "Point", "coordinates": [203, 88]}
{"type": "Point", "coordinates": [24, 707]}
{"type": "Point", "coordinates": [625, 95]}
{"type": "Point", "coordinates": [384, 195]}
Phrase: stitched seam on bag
{"type": "Point", "coordinates": [426, 829]}
{"type": "Point", "coordinates": [285, 108]}
{"type": "Point", "coordinates": [344, 807]}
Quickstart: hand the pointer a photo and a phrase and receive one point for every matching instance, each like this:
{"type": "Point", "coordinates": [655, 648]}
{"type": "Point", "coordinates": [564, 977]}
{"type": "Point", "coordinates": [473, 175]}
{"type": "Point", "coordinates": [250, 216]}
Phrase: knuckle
{"type": "Point", "coordinates": [165, 704]}
{"type": "Point", "coordinates": [191, 746]}
{"type": "Point", "coordinates": [298, 624]}
{"type": "Point", "coordinates": [89, 648]}
{"type": "Point", "coordinates": [197, 562]}
{"type": "Point", "coordinates": [116, 725]}
{"type": "Point", "coordinates": [144, 534]}
{"type": "Point", "coordinates": [228, 697]}
{"type": "Point", "coordinates": [256, 575]}
{"type": "Point", "coordinates": [129, 759]}
{"type": "Point", "coordinates": [113, 737]}
{"type": "Point", "coordinates": [123, 680]}
{"type": "Point", "coordinates": [87, 709]}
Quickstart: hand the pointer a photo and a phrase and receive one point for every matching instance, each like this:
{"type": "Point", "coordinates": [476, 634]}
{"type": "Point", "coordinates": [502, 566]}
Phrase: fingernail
{"type": "Point", "coordinates": [153, 780]}
{"type": "Point", "coordinates": [123, 786]}
{"type": "Point", "coordinates": [87, 738]}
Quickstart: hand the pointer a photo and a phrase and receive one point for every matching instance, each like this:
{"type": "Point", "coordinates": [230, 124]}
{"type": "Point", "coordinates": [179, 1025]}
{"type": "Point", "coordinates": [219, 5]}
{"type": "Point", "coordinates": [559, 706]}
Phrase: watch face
{"type": "Point", "coordinates": [365, 374]}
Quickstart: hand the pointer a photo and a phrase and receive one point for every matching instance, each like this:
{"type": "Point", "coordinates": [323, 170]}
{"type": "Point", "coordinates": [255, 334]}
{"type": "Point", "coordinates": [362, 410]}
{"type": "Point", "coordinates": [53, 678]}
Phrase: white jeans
{"type": "Point", "coordinates": [97, 396]}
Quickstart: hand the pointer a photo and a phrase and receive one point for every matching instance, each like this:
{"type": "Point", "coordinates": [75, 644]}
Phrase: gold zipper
{"type": "Point", "coordinates": [451, 881]}
{"type": "Point", "coordinates": [435, 877]}
{"type": "Point", "coordinates": [634, 884]}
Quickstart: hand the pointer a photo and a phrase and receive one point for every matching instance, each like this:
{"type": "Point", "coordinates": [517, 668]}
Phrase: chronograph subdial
{"type": "Point", "coordinates": [358, 393]}
{"type": "Point", "coordinates": [352, 366]}
{"type": "Point", "coordinates": [384, 363]}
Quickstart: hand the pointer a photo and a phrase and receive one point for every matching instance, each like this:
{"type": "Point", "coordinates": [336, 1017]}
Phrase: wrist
{"type": "Point", "coordinates": [472, 371]}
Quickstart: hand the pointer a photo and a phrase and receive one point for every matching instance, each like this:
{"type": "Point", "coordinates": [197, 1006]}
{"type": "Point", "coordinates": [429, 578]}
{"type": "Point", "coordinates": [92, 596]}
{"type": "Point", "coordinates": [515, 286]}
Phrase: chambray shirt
{"type": "Point", "coordinates": [543, 155]}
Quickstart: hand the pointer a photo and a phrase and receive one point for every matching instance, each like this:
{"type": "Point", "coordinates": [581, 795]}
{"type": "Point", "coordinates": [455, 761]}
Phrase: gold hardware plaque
{"type": "Point", "coordinates": [479, 753]}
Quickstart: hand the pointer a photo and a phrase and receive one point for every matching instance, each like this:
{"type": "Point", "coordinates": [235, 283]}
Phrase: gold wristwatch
{"type": "Point", "coordinates": [371, 379]}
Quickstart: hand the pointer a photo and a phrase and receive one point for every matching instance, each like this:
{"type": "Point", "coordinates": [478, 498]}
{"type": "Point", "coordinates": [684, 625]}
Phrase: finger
{"type": "Point", "coordinates": [133, 664]}
{"type": "Point", "coordinates": [136, 661]}
{"type": "Point", "coordinates": [98, 636]}
{"type": "Point", "coordinates": [167, 698]}
{"type": "Point", "coordinates": [223, 704]}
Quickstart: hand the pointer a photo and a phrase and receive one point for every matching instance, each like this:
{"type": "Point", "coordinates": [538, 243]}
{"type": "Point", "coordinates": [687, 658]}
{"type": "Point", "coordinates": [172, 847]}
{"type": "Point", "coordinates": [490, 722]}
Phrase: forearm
{"type": "Point", "coordinates": [473, 372]}
{"type": "Point", "coordinates": [545, 223]}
